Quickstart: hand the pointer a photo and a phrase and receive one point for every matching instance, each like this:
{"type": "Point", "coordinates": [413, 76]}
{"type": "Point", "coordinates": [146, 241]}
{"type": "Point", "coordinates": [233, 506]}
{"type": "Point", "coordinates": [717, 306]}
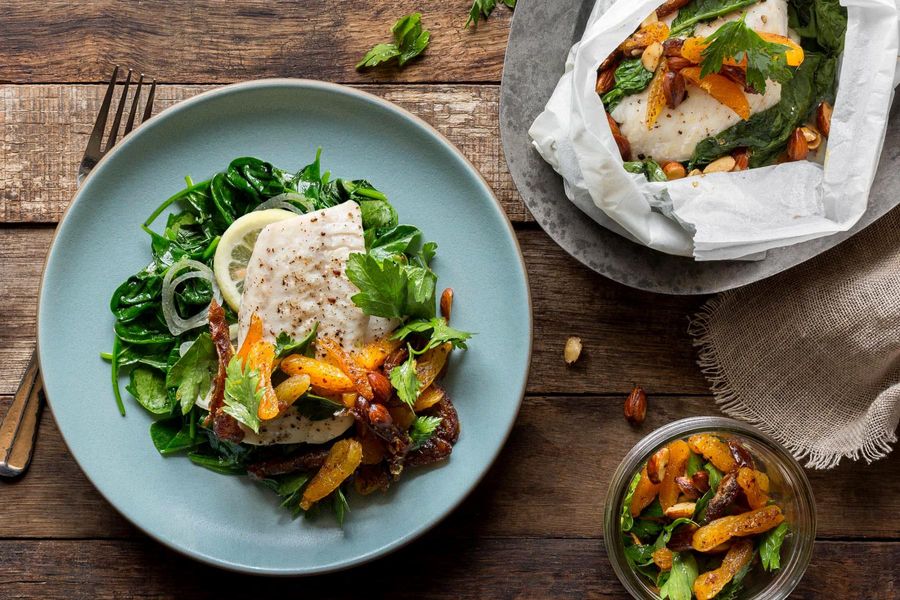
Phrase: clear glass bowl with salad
{"type": "Point", "coordinates": [709, 507]}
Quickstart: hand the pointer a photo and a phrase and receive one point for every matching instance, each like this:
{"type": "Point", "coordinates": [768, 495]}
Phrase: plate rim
{"type": "Point", "coordinates": [340, 89]}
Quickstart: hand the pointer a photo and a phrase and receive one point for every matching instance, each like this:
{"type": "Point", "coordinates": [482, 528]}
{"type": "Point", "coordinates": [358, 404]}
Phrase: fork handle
{"type": "Point", "coordinates": [19, 427]}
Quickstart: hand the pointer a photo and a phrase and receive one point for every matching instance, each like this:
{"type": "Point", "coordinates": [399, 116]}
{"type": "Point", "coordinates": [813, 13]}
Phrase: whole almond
{"type": "Point", "coordinates": [669, 7]}
{"type": "Point", "coordinates": [720, 165]}
{"type": "Point", "coordinates": [624, 146]}
{"type": "Point", "coordinates": [656, 465]}
{"type": "Point", "coordinates": [798, 147]}
{"type": "Point", "coordinates": [813, 137]}
{"type": "Point", "coordinates": [605, 81]}
{"type": "Point", "coordinates": [823, 118]}
{"type": "Point", "coordinates": [381, 386]}
{"type": "Point", "coordinates": [682, 510]}
{"type": "Point", "coordinates": [636, 406]}
{"type": "Point", "coordinates": [672, 47]}
{"type": "Point", "coordinates": [613, 126]}
{"type": "Point", "coordinates": [674, 88]}
{"type": "Point", "coordinates": [687, 487]}
{"type": "Point", "coordinates": [447, 303]}
{"type": "Point", "coordinates": [677, 63]}
{"type": "Point", "coordinates": [610, 62]}
{"type": "Point", "coordinates": [741, 160]}
{"type": "Point", "coordinates": [700, 480]}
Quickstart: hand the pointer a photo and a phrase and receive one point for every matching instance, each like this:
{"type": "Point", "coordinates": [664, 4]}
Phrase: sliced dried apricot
{"type": "Point", "coordinates": [324, 378]}
{"type": "Point", "coordinates": [431, 363]}
{"type": "Point", "coordinates": [721, 88]}
{"type": "Point", "coordinates": [357, 374]}
{"type": "Point", "coordinates": [693, 48]}
{"type": "Point", "coordinates": [679, 452]}
{"type": "Point", "coordinates": [721, 530]}
{"type": "Point", "coordinates": [289, 390]}
{"type": "Point", "coordinates": [372, 355]}
{"type": "Point", "coordinates": [644, 493]}
{"type": "Point", "coordinates": [712, 449]}
{"type": "Point", "coordinates": [643, 37]}
{"type": "Point", "coordinates": [656, 94]}
{"type": "Point", "coordinates": [709, 584]}
{"type": "Point", "coordinates": [662, 558]}
{"type": "Point", "coordinates": [342, 460]}
{"type": "Point", "coordinates": [755, 485]}
{"type": "Point", "coordinates": [429, 397]}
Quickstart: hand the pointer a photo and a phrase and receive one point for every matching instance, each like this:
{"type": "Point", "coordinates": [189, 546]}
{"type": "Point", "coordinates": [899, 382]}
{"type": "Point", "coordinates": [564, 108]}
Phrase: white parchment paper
{"type": "Point", "coordinates": [725, 215]}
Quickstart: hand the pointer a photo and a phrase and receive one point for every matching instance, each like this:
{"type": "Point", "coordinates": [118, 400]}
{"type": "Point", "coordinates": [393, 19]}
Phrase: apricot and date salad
{"type": "Point", "coordinates": [699, 516]}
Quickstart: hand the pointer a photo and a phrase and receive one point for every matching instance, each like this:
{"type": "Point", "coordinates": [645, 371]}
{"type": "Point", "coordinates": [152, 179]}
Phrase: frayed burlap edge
{"type": "Point", "coordinates": [732, 405]}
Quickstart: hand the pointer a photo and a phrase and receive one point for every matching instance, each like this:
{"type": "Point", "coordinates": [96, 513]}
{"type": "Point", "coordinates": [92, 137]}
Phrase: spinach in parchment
{"type": "Point", "coordinates": [699, 11]}
{"type": "Point", "coordinates": [822, 25]}
{"type": "Point", "coordinates": [631, 78]}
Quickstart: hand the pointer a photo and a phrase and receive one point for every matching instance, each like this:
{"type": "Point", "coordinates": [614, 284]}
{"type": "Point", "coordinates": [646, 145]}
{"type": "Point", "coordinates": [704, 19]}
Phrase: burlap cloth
{"type": "Point", "coordinates": [812, 356]}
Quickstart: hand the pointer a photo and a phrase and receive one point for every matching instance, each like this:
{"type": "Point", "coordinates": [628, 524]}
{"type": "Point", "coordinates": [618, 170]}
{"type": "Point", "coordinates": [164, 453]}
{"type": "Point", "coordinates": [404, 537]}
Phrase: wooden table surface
{"type": "Point", "coordinates": [533, 528]}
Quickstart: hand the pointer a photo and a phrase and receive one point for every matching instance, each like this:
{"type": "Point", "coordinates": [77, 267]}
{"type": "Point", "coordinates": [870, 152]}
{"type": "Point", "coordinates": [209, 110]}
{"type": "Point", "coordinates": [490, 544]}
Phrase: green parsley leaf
{"type": "Point", "coordinates": [765, 60]}
{"type": "Point", "coordinates": [391, 289]}
{"type": "Point", "coordinates": [382, 285]}
{"type": "Point", "coordinates": [192, 374]}
{"type": "Point", "coordinates": [680, 584]}
{"type": "Point", "coordinates": [422, 429]}
{"type": "Point", "coordinates": [482, 9]}
{"type": "Point", "coordinates": [410, 40]}
{"type": "Point", "coordinates": [148, 386]}
{"type": "Point", "coordinates": [441, 333]}
{"type": "Point", "coordinates": [242, 395]}
{"type": "Point", "coordinates": [404, 380]}
{"type": "Point", "coordinates": [770, 548]}
{"type": "Point", "coordinates": [285, 345]}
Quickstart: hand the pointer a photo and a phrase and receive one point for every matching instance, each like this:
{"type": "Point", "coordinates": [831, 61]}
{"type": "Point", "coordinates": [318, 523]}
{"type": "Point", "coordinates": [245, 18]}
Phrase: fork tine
{"type": "Point", "coordinates": [148, 108]}
{"type": "Point", "coordinates": [114, 132]}
{"type": "Point", "coordinates": [129, 125]}
{"type": "Point", "coordinates": [93, 146]}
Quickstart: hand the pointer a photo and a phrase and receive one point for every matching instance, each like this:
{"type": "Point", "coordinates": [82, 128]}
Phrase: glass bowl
{"type": "Point", "coordinates": [789, 487]}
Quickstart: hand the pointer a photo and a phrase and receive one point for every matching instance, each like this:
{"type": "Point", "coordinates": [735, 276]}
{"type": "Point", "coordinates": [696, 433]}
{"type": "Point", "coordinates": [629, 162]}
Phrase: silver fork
{"type": "Point", "coordinates": [18, 429]}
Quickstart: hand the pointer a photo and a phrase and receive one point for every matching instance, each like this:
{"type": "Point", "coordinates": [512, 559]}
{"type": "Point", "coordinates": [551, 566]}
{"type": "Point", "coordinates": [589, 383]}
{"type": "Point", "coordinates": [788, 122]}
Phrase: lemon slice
{"type": "Point", "coordinates": [235, 248]}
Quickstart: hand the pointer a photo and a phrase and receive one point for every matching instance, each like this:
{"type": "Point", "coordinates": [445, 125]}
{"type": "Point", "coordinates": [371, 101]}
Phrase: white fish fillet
{"type": "Point", "coordinates": [296, 278]}
{"type": "Point", "coordinates": [678, 131]}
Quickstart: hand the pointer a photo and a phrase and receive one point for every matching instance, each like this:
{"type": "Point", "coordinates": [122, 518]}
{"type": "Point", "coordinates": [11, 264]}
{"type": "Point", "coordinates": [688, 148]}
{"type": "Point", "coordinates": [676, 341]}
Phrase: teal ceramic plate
{"type": "Point", "coordinates": [231, 521]}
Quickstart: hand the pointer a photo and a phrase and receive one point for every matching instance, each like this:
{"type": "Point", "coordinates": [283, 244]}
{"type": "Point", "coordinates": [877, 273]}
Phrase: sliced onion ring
{"type": "Point", "coordinates": [198, 270]}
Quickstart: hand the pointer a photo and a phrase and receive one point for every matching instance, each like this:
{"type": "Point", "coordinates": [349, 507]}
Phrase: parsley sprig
{"type": "Point", "coordinates": [765, 60]}
{"type": "Point", "coordinates": [482, 9]}
{"type": "Point", "coordinates": [410, 40]}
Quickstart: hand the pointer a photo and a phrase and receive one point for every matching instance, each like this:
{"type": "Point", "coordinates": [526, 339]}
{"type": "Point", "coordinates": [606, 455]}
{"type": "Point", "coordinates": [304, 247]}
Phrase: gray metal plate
{"type": "Point", "coordinates": [542, 33]}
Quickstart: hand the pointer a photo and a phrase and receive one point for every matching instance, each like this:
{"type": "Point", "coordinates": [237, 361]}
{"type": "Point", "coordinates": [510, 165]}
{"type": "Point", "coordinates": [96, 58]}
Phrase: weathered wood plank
{"type": "Point", "coordinates": [629, 336]}
{"type": "Point", "coordinates": [550, 480]}
{"type": "Point", "coordinates": [216, 42]}
{"type": "Point", "coordinates": [44, 129]}
{"type": "Point", "coordinates": [434, 567]}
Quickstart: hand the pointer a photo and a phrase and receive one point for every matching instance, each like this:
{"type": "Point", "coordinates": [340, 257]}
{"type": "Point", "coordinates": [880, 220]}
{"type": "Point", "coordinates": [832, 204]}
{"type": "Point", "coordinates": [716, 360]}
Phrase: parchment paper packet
{"type": "Point", "coordinates": [725, 215]}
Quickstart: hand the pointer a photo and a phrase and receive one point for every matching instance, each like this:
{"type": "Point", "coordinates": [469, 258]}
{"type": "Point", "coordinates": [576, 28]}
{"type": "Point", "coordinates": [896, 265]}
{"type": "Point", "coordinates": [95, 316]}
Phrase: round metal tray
{"type": "Point", "coordinates": [542, 33]}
